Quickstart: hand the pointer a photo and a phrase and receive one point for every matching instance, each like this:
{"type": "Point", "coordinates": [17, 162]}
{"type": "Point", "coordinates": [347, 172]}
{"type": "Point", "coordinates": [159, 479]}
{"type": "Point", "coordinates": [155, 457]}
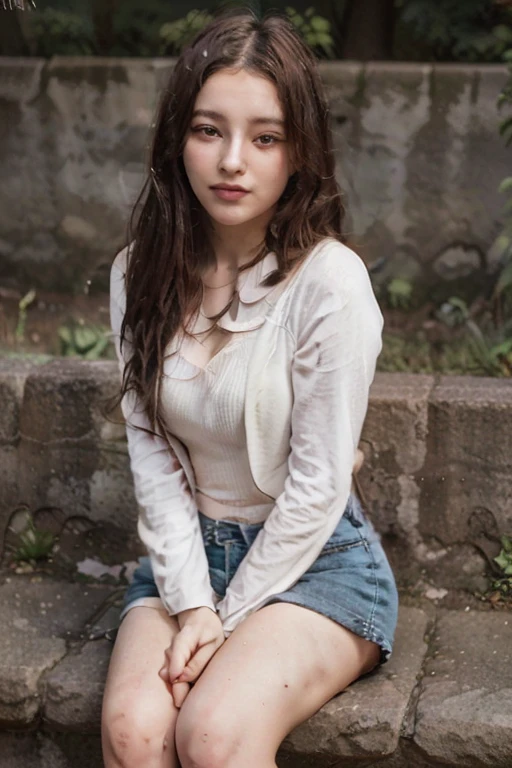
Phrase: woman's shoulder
{"type": "Point", "coordinates": [117, 275]}
{"type": "Point", "coordinates": [332, 269]}
{"type": "Point", "coordinates": [120, 263]}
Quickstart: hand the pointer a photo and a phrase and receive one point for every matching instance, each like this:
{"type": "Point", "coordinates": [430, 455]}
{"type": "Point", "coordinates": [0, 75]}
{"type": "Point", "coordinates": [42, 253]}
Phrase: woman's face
{"type": "Point", "coordinates": [237, 138]}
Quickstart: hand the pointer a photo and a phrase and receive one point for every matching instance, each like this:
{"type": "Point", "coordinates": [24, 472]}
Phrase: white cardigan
{"type": "Point", "coordinates": [306, 400]}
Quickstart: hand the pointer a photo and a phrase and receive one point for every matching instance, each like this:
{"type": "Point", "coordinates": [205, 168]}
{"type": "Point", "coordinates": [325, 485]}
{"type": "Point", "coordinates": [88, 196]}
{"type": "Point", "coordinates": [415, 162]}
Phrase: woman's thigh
{"type": "Point", "coordinates": [139, 716]}
{"type": "Point", "coordinates": [276, 669]}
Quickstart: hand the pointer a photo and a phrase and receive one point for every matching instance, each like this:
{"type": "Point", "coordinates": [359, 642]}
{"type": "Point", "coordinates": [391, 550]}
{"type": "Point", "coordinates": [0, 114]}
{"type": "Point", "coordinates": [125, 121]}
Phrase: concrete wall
{"type": "Point", "coordinates": [417, 147]}
{"type": "Point", "coordinates": [437, 478]}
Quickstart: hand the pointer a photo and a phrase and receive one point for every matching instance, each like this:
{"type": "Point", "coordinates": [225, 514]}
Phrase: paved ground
{"type": "Point", "coordinates": [444, 698]}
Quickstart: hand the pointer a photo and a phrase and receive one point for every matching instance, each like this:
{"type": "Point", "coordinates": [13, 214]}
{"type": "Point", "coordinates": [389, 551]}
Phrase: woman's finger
{"type": "Point", "coordinates": [198, 662]}
{"type": "Point", "coordinates": [183, 647]}
{"type": "Point", "coordinates": [179, 693]}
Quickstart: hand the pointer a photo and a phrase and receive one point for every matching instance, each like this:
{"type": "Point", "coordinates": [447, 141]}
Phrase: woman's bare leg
{"type": "Point", "coordinates": [279, 666]}
{"type": "Point", "coordinates": [139, 716]}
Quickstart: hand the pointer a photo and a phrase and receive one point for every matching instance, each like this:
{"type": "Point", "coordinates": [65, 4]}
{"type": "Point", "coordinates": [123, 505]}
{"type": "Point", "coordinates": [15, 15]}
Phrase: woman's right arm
{"type": "Point", "coordinates": [168, 523]}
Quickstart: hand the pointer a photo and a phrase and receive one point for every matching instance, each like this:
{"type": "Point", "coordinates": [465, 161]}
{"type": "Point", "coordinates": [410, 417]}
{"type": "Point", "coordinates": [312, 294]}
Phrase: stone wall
{"type": "Point", "coordinates": [417, 146]}
{"type": "Point", "coordinates": [437, 478]}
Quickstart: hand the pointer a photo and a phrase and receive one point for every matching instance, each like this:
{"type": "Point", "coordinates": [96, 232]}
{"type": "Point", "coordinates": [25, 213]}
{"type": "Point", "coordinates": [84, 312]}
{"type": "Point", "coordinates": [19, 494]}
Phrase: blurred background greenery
{"type": "Point", "coordinates": [460, 337]}
{"type": "Point", "coordinates": [413, 30]}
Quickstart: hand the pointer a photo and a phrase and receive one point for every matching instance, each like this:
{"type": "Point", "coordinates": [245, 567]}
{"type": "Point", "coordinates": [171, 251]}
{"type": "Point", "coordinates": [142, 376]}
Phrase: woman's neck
{"type": "Point", "coordinates": [235, 246]}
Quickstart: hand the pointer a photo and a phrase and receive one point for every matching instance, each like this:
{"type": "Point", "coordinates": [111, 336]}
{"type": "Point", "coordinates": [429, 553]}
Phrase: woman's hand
{"type": "Point", "coordinates": [199, 638]}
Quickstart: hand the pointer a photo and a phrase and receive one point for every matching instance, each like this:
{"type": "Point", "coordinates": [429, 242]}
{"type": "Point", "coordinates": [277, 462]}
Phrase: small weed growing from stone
{"type": "Point", "coordinates": [501, 588]}
{"type": "Point", "coordinates": [80, 340]}
{"type": "Point", "coordinates": [22, 314]}
{"type": "Point", "coordinates": [399, 293]}
{"type": "Point", "coordinates": [33, 544]}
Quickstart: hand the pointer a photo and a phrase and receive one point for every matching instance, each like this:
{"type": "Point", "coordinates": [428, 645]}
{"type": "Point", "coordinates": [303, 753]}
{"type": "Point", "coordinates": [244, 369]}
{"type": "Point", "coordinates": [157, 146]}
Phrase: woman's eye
{"type": "Point", "coordinates": [267, 139]}
{"type": "Point", "coordinates": [206, 130]}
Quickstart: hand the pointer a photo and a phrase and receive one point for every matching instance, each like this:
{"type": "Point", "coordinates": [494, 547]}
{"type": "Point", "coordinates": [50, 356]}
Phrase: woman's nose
{"type": "Point", "coordinates": [232, 158]}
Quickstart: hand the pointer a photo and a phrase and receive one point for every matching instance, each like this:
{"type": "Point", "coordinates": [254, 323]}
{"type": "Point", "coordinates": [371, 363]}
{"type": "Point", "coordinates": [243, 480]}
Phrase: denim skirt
{"type": "Point", "coordinates": [350, 582]}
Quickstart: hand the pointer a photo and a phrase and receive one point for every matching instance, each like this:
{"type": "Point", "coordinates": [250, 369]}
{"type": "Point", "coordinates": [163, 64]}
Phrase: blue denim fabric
{"type": "Point", "coordinates": [351, 581]}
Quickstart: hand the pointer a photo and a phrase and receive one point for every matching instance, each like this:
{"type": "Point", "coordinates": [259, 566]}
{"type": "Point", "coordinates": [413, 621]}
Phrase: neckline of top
{"type": "Point", "coordinates": [248, 284]}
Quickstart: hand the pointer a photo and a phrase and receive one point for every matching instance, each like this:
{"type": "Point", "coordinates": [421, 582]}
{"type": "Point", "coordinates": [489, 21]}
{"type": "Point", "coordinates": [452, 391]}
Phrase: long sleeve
{"type": "Point", "coordinates": [337, 326]}
{"type": "Point", "coordinates": [168, 523]}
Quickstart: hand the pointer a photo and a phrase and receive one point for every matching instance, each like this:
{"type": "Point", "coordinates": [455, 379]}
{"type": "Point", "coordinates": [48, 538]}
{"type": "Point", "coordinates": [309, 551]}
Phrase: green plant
{"type": "Point", "coordinates": [473, 30]}
{"type": "Point", "coordinates": [399, 293]}
{"type": "Point", "coordinates": [490, 347]}
{"type": "Point", "coordinates": [176, 35]}
{"type": "Point", "coordinates": [502, 294]}
{"type": "Point", "coordinates": [80, 340]}
{"type": "Point", "coordinates": [315, 29]}
{"type": "Point", "coordinates": [22, 314]}
{"type": "Point", "coordinates": [33, 543]}
{"type": "Point", "coordinates": [61, 32]}
{"type": "Point", "coordinates": [495, 358]}
{"type": "Point", "coordinates": [501, 587]}
{"type": "Point", "coordinates": [504, 559]}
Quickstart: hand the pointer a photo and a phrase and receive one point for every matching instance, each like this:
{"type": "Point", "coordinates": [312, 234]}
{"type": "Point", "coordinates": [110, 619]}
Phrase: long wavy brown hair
{"type": "Point", "coordinates": [169, 230]}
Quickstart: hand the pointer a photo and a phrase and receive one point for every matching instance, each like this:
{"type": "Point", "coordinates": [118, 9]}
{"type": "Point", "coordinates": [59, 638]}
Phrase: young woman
{"type": "Point", "coordinates": [247, 335]}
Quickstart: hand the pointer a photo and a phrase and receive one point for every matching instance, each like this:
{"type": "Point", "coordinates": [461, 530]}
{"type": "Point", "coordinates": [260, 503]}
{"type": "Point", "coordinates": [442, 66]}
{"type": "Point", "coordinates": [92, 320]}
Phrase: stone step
{"type": "Point", "coordinates": [436, 481]}
{"type": "Point", "coordinates": [444, 698]}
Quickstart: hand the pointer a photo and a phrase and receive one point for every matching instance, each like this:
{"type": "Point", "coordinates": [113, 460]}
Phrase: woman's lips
{"type": "Point", "coordinates": [229, 194]}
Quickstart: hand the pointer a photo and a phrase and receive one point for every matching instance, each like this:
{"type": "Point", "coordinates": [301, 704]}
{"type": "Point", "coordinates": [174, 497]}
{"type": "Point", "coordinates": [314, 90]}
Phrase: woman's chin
{"type": "Point", "coordinates": [232, 219]}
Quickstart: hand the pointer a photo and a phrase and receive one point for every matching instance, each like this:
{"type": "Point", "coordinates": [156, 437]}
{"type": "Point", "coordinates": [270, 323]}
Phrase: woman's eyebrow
{"type": "Point", "coordinates": [213, 115]}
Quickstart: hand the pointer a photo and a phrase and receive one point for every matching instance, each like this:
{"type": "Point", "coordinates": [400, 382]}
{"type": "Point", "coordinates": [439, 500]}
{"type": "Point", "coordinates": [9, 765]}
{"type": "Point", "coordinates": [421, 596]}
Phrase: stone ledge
{"type": "Point", "coordinates": [464, 712]}
{"type": "Point", "coordinates": [40, 622]}
{"type": "Point", "coordinates": [437, 476]}
{"type": "Point", "coordinates": [457, 715]}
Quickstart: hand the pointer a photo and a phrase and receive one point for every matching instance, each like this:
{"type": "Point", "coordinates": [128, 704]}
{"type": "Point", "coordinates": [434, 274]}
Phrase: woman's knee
{"type": "Point", "coordinates": [206, 739]}
{"type": "Point", "coordinates": [131, 738]}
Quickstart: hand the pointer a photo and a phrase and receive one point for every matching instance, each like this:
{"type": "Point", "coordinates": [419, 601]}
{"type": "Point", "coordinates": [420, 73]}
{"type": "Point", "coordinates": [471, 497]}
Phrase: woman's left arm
{"type": "Point", "coordinates": [337, 325]}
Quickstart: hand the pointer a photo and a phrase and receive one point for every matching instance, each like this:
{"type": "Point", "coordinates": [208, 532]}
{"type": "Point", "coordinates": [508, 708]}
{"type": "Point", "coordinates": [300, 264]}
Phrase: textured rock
{"type": "Point", "coordinates": [415, 145]}
{"type": "Point", "coordinates": [394, 444]}
{"type": "Point", "coordinates": [464, 712]}
{"type": "Point", "coordinates": [60, 750]}
{"type": "Point", "coordinates": [74, 688]}
{"type": "Point", "coordinates": [25, 656]}
{"type": "Point", "coordinates": [70, 456]}
{"type": "Point", "coordinates": [467, 485]}
{"type": "Point", "coordinates": [37, 618]}
{"type": "Point", "coordinates": [366, 720]}
{"type": "Point", "coordinates": [22, 750]}
{"type": "Point", "coordinates": [457, 261]}
{"type": "Point", "coordinates": [13, 374]}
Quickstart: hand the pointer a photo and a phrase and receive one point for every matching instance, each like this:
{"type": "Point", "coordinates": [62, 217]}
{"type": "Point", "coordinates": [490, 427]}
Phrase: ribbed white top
{"type": "Point", "coordinates": [204, 408]}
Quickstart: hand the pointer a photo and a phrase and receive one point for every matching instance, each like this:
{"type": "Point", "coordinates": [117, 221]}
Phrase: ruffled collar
{"type": "Point", "coordinates": [247, 311]}
{"type": "Point", "coordinates": [249, 282]}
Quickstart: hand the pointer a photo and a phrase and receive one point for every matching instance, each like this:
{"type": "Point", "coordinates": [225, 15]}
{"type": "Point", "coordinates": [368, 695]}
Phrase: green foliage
{"type": "Point", "coordinates": [176, 35]}
{"type": "Point", "coordinates": [453, 312]}
{"type": "Point", "coordinates": [416, 354]}
{"type": "Point", "coordinates": [56, 32]}
{"type": "Point", "coordinates": [490, 347]}
{"type": "Point", "coordinates": [399, 293]}
{"type": "Point", "coordinates": [504, 559]}
{"type": "Point", "coordinates": [315, 29]}
{"type": "Point", "coordinates": [501, 587]}
{"type": "Point", "coordinates": [405, 355]}
{"type": "Point", "coordinates": [502, 294]}
{"type": "Point", "coordinates": [137, 25]}
{"type": "Point", "coordinates": [22, 314]}
{"type": "Point", "coordinates": [79, 340]}
{"type": "Point", "coordinates": [33, 543]}
{"type": "Point", "coordinates": [472, 30]}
